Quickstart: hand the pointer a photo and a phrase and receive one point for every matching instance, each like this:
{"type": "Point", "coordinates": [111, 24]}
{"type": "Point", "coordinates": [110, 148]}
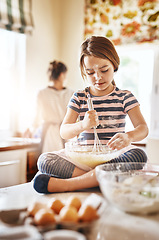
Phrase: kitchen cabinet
{"type": "Point", "coordinates": [18, 158]}
{"type": "Point", "coordinates": [32, 157]}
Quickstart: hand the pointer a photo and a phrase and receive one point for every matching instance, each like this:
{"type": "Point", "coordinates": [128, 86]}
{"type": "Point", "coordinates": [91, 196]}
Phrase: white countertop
{"type": "Point", "coordinates": [113, 224]}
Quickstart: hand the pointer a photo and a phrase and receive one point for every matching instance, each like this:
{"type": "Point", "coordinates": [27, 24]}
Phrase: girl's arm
{"type": "Point", "coordinates": [121, 140]}
{"type": "Point", "coordinates": [71, 128]}
{"type": "Point", "coordinates": [140, 127]}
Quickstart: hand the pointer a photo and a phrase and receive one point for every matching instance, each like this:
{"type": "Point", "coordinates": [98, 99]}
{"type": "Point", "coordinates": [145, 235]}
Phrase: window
{"type": "Point", "coordinates": [12, 80]}
{"type": "Point", "coordinates": [136, 74]}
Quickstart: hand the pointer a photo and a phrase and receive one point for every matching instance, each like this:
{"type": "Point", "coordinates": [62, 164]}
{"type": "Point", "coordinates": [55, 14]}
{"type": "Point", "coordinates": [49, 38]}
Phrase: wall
{"type": "Point", "coordinates": [42, 46]}
{"type": "Point", "coordinates": [57, 34]}
{"type": "Point", "coordinates": [72, 27]}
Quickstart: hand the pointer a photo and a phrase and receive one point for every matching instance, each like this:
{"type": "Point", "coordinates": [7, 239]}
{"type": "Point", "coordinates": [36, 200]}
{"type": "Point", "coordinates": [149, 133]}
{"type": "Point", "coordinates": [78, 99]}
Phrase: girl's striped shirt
{"type": "Point", "coordinates": [111, 109]}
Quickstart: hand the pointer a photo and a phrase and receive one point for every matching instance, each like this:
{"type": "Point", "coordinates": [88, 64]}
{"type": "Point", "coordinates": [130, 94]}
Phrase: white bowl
{"type": "Point", "coordinates": [131, 187]}
{"type": "Point", "coordinates": [64, 235]}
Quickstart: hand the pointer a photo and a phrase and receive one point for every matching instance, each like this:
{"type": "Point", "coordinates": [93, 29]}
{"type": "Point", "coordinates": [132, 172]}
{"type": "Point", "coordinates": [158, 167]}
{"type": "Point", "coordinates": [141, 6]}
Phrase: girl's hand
{"type": "Point", "coordinates": [119, 141]}
{"type": "Point", "coordinates": [90, 120]}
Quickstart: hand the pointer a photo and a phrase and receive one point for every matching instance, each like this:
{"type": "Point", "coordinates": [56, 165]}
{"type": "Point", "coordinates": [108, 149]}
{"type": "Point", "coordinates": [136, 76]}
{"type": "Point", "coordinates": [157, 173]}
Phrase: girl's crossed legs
{"type": "Point", "coordinates": [60, 175]}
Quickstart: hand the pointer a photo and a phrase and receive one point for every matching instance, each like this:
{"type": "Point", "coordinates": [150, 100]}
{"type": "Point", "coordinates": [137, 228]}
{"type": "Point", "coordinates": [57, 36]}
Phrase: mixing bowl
{"type": "Point", "coordinates": [131, 187]}
{"type": "Point", "coordinates": [85, 155]}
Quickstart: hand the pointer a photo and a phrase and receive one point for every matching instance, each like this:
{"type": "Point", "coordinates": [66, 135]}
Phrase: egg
{"type": "Point", "coordinates": [56, 205]}
{"type": "Point", "coordinates": [68, 214]}
{"type": "Point", "coordinates": [87, 214]}
{"type": "Point", "coordinates": [34, 207]}
{"type": "Point", "coordinates": [44, 217]}
{"type": "Point", "coordinates": [74, 202]}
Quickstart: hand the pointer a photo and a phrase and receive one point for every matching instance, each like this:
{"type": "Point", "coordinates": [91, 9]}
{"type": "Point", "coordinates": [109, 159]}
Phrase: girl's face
{"type": "Point", "coordinates": [99, 73]}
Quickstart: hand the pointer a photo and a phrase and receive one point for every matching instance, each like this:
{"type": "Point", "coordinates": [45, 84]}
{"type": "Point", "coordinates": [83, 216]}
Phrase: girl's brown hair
{"type": "Point", "coordinates": [55, 69]}
{"type": "Point", "coordinates": [100, 47]}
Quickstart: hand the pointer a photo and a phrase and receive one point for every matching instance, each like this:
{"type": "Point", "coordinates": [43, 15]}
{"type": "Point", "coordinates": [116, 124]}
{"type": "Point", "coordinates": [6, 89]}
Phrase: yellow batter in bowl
{"type": "Point", "coordinates": [84, 154]}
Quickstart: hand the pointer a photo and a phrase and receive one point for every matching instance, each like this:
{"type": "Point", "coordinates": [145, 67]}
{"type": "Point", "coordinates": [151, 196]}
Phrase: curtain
{"type": "Point", "coordinates": [123, 21]}
{"type": "Point", "coordinates": [16, 15]}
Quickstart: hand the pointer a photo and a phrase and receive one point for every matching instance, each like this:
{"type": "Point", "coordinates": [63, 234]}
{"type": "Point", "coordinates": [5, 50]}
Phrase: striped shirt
{"type": "Point", "coordinates": [111, 109]}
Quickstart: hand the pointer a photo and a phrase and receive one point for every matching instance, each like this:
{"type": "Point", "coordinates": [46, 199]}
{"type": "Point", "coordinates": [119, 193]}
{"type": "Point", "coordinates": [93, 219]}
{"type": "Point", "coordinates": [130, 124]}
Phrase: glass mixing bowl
{"type": "Point", "coordinates": [131, 187]}
{"type": "Point", "coordinates": [85, 155]}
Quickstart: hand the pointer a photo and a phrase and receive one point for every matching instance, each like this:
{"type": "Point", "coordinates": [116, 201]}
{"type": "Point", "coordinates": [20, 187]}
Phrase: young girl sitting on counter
{"type": "Point", "coordinates": [98, 63]}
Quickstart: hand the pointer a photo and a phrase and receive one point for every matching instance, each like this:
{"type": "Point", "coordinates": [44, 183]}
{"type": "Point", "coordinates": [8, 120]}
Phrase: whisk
{"type": "Point", "coordinates": [97, 144]}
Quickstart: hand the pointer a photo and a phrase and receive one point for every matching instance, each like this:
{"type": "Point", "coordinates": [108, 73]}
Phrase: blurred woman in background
{"type": "Point", "coordinates": [51, 108]}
